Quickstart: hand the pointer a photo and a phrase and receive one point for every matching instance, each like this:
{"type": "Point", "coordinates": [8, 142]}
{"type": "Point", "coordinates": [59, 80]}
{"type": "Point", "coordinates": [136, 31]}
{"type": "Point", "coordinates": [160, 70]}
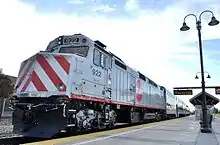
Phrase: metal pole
{"type": "Point", "coordinates": [205, 127]}
{"type": "Point", "coordinates": [3, 106]}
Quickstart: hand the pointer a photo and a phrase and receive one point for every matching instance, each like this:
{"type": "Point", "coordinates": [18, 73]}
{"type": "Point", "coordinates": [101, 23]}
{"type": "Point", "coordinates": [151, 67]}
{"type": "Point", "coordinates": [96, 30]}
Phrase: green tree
{"type": "Point", "coordinates": [215, 110]}
{"type": "Point", "coordinates": [6, 89]}
{"type": "Point", "coordinates": [6, 86]}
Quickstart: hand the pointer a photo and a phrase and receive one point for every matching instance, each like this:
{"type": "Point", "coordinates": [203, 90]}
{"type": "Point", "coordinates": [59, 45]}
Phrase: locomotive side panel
{"type": "Point", "coordinates": [85, 81]}
{"type": "Point", "coordinates": [121, 81]}
{"type": "Point", "coordinates": [94, 75]}
{"type": "Point", "coordinates": [156, 93]}
{"type": "Point", "coordinates": [156, 97]}
{"type": "Point", "coordinates": [146, 94]}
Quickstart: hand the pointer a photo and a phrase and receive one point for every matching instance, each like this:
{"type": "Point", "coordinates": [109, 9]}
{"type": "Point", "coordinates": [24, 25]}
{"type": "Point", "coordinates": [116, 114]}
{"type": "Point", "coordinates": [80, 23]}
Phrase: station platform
{"type": "Point", "coordinates": [181, 131]}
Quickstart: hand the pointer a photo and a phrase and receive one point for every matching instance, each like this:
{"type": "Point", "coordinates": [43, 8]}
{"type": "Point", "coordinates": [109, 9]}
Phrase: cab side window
{"type": "Point", "coordinates": [109, 60]}
{"type": "Point", "coordinates": [105, 61]}
{"type": "Point", "coordinates": [97, 57]}
{"type": "Point", "coordinates": [101, 59]}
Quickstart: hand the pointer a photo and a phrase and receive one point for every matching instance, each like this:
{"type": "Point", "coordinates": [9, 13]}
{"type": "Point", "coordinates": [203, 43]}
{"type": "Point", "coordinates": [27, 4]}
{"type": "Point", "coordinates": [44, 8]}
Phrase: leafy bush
{"type": "Point", "coordinates": [6, 86]}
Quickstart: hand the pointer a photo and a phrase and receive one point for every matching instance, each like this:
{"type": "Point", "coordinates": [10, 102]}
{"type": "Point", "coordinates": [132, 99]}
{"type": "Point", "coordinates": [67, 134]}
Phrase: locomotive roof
{"type": "Point", "coordinates": [100, 44]}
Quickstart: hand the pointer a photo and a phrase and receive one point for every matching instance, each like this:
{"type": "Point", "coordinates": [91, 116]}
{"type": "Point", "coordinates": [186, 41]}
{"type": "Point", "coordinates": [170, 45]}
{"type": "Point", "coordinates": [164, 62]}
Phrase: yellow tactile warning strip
{"type": "Point", "coordinates": [93, 135]}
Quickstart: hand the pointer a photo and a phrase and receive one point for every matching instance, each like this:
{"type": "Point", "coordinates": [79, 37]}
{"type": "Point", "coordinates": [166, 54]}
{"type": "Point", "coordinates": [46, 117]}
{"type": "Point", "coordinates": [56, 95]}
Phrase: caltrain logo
{"type": "Point", "coordinates": [139, 95]}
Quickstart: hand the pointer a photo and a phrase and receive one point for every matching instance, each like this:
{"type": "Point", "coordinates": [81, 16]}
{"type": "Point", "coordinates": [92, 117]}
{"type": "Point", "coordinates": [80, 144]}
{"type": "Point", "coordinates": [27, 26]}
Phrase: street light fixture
{"type": "Point", "coordinates": [213, 22]}
{"type": "Point", "coordinates": [208, 76]}
{"type": "Point", "coordinates": [196, 77]}
{"type": "Point", "coordinates": [184, 27]}
{"type": "Point", "coordinates": [204, 127]}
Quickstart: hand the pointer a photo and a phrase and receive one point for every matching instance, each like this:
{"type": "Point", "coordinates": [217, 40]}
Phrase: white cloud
{"type": "Point", "coordinates": [131, 5]}
{"type": "Point", "coordinates": [145, 43]}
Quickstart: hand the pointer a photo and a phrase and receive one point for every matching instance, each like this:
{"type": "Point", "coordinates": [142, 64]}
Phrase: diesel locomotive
{"type": "Point", "coordinates": [77, 84]}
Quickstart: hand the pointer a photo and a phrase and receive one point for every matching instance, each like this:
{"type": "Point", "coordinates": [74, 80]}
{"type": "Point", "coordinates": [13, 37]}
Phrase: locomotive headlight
{"type": "Point", "coordinates": [61, 87]}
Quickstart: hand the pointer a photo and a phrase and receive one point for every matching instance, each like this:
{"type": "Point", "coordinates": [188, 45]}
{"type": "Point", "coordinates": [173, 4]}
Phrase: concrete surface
{"type": "Point", "coordinates": [5, 126]}
{"type": "Point", "coordinates": [183, 131]}
{"type": "Point", "coordinates": [216, 129]}
{"type": "Point", "coordinates": [174, 132]}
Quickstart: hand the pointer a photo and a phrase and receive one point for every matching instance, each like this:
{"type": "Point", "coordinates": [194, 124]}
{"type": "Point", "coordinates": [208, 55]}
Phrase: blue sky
{"type": "Point", "coordinates": [82, 7]}
{"type": "Point", "coordinates": [147, 29]}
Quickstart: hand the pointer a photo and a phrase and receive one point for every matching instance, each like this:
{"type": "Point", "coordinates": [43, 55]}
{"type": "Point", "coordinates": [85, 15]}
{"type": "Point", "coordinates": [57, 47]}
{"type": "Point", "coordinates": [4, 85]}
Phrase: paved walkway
{"type": "Point", "coordinates": [183, 131]}
{"type": "Point", "coordinates": [216, 131]}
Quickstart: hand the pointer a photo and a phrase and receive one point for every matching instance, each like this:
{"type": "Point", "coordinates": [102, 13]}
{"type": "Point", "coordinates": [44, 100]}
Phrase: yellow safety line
{"type": "Point", "coordinates": [92, 135]}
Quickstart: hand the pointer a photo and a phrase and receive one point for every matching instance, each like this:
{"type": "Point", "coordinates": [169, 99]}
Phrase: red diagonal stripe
{"type": "Point", "coordinates": [24, 75]}
{"type": "Point", "coordinates": [37, 82]}
{"type": "Point", "coordinates": [26, 84]}
{"type": "Point", "coordinates": [49, 71]}
{"type": "Point", "coordinates": [63, 63]}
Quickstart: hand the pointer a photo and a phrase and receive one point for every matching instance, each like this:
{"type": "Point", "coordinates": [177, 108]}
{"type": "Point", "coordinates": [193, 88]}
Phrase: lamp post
{"type": "Point", "coordinates": [204, 72]}
{"type": "Point", "coordinates": [204, 127]}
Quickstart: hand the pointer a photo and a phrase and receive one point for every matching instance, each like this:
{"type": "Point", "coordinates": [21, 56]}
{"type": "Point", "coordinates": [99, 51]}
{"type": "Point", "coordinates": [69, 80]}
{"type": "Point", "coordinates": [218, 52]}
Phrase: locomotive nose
{"type": "Point", "coordinates": [44, 75]}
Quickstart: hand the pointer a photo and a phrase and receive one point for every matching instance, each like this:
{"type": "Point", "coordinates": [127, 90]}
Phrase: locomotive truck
{"type": "Point", "coordinates": [76, 84]}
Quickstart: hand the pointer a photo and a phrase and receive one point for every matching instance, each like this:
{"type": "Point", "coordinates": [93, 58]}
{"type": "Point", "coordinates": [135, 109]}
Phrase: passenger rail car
{"type": "Point", "coordinates": [174, 106]}
{"type": "Point", "coordinates": [76, 84]}
{"type": "Point", "coordinates": [171, 105]}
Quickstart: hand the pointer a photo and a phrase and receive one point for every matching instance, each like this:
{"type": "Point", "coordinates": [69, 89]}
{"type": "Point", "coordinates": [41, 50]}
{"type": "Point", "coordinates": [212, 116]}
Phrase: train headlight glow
{"type": "Point", "coordinates": [84, 40]}
{"type": "Point", "coordinates": [61, 87]}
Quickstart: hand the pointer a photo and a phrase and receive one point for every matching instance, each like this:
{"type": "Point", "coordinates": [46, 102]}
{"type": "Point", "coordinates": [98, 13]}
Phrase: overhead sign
{"type": "Point", "coordinates": [183, 92]}
{"type": "Point", "coordinates": [217, 91]}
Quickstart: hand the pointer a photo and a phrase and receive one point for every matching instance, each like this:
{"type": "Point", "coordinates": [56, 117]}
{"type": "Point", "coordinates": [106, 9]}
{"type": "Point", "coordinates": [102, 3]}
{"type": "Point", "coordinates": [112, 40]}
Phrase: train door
{"type": "Point", "coordinates": [132, 94]}
{"type": "Point", "coordinates": [106, 63]}
{"type": "Point", "coordinates": [94, 82]}
{"type": "Point", "coordinates": [132, 88]}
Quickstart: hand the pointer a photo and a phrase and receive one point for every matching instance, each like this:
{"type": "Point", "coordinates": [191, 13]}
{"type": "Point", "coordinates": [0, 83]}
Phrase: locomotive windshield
{"type": "Point", "coordinates": [78, 50]}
